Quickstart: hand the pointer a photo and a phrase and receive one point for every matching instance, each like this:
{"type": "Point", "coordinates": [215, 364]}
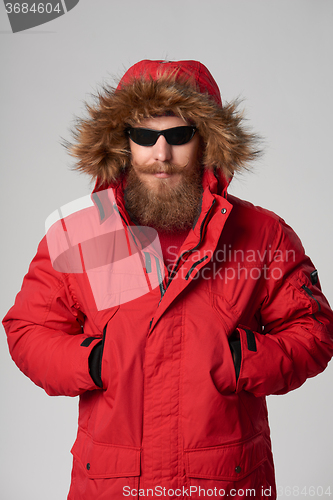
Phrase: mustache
{"type": "Point", "coordinates": [165, 167]}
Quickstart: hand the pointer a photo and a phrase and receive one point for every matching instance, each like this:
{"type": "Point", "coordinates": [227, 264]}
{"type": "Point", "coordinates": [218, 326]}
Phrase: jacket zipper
{"type": "Point", "coordinates": [194, 266]}
{"type": "Point", "coordinates": [203, 225]}
{"type": "Point", "coordinates": [159, 276]}
{"type": "Point", "coordinates": [173, 272]}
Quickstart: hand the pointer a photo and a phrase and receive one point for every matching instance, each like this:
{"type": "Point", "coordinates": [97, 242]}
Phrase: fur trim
{"type": "Point", "coordinates": [101, 145]}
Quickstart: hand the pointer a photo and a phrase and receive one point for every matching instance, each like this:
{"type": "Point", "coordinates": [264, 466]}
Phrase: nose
{"type": "Point", "coordinates": [162, 150]}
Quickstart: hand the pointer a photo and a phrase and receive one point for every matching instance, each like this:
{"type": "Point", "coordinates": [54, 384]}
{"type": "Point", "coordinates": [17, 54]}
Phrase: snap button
{"type": "Point", "coordinates": [88, 466]}
{"type": "Point", "coordinates": [223, 211]}
{"type": "Point", "coordinates": [238, 469]}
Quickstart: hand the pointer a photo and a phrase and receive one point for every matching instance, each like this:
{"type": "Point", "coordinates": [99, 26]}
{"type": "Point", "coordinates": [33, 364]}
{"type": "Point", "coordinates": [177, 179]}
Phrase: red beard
{"type": "Point", "coordinates": [166, 208]}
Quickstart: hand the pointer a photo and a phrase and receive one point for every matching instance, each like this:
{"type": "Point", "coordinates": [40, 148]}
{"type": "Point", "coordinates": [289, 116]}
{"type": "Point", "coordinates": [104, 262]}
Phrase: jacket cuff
{"type": "Point", "coordinates": [95, 364]}
{"type": "Point", "coordinates": [235, 346]}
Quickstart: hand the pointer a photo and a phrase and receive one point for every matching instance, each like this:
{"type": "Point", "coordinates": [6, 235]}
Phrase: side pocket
{"type": "Point", "coordinates": [104, 383]}
{"type": "Point", "coordinates": [230, 462]}
{"type": "Point", "coordinates": [95, 359]}
{"type": "Point", "coordinates": [101, 460]}
{"type": "Point", "coordinates": [235, 346]}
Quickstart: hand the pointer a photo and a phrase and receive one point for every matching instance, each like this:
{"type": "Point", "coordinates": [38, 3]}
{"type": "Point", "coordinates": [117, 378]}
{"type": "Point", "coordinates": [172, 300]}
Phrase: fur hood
{"type": "Point", "coordinates": [153, 88]}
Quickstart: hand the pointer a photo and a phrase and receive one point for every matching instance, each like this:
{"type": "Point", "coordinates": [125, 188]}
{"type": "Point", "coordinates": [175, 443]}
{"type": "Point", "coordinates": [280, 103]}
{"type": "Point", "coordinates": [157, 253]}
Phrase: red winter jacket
{"type": "Point", "coordinates": [173, 412]}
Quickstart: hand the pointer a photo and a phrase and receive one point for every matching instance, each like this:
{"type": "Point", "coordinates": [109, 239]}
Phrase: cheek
{"type": "Point", "coordinates": [139, 155]}
{"type": "Point", "coordinates": [181, 156]}
{"type": "Point", "coordinates": [192, 149]}
{"type": "Point", "coordinates": [191, 158]}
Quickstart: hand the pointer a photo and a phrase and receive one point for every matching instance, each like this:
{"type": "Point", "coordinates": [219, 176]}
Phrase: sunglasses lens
{"type": "Point", "coordinates": [174, 136]}
{"type": "Point", "coordinates": [143, 136]}
{"type": "Point", "coordinates": [179, 135]}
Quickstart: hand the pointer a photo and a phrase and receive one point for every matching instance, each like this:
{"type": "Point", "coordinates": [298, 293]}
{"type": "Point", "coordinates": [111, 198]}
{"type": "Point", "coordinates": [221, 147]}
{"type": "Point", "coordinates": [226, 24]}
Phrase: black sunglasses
{"type": "Point", "coordinates": [175, 136]}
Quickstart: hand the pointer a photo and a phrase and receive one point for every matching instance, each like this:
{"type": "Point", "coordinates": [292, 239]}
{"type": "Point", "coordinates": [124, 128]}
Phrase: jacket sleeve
{"type": "Point", "coordinates": [44, 337]}
{"type": "Point", "coordinates": [296, 341]}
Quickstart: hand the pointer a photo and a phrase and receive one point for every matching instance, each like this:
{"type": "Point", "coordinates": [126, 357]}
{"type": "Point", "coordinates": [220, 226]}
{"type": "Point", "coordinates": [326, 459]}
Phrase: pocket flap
{"type": "Point", "coordinates": [230, 462]}
{"type": "Point", "coordinates": [105, 460]}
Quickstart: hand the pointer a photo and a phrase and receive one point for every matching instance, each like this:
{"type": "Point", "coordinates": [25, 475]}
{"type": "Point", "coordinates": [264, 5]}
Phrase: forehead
{"type": "Point", "coordinates": [162, 122]}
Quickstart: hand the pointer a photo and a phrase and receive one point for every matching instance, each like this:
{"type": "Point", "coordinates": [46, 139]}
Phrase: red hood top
{"type": "Point", "coordinates": [193, 71]}
{"type": "Point", "coordinates": [153, 88]}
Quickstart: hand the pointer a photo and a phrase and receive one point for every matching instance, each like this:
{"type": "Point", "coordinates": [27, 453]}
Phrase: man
{"type": "Point", "coordinates": [172, 342]}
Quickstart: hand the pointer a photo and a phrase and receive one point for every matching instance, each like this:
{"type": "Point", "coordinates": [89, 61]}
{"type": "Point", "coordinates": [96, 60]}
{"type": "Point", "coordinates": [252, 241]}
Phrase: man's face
{"type": "Point", "coordinates": [164, 181]}
{"type": "Point", "coordinates": [152, 163]}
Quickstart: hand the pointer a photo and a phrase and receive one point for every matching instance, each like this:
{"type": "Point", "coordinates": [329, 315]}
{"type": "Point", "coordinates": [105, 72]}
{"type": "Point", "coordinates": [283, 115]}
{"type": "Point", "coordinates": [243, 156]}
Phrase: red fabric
{"type": "Point", "coordinates": [171, 244]}
{"type": "Point", "coordinates": [183, 69]}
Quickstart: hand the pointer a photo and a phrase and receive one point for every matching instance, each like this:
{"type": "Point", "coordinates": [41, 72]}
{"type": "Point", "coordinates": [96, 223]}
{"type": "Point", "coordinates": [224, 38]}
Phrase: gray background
{"type": "Point", "coordinates": [275, 54]}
